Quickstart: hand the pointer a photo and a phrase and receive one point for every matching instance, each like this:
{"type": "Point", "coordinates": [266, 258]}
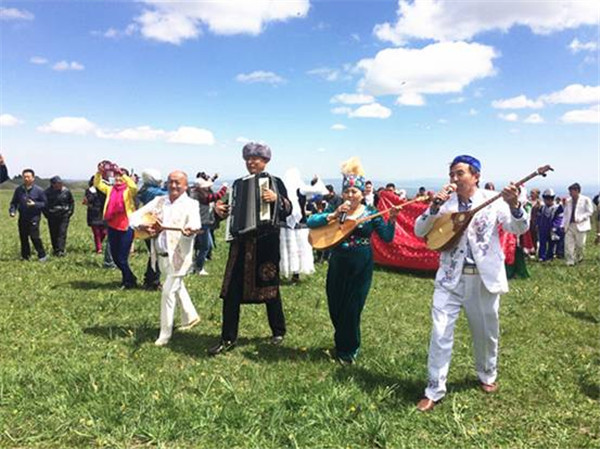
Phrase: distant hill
{"type": "Point", "coordinates": [44, 183]}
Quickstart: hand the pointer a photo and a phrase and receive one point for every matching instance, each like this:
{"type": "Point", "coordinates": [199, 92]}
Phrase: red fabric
{"type": "Point", "coordinates": [509, 245]}
{"type": "Point", "coordinates": [409, 251]}
{"type": "Point", "coordinates": [527, 242]}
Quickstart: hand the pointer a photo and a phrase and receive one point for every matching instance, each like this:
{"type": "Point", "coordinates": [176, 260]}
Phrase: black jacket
{"type": "Point", "coordinates": [60, 203]}
{"type": "Point", "coordinates": [3, 173]}
{"type": "Point", "coordinates": [20, 202]}
{"type": "Point", "coordinates": [94, 199]}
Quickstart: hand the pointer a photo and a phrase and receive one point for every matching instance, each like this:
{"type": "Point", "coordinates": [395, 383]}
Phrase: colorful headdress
{"type": "Point", "coordinates": [354, 175]}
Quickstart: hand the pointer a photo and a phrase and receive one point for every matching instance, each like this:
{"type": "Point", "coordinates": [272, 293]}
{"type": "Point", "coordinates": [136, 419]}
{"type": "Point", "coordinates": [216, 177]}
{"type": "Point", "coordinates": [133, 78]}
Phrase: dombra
{"type": "Point", "coordinates": [333, 233]}
{"type": "Point", "coordinates": [150, 219]}
{"type": "Point", "coordinates": [448, 229]}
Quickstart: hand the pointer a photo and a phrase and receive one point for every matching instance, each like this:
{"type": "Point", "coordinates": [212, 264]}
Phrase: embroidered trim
{"type": "Point", "coordinates": [355, 242]}
{"type": "Point", "coordinates": [249, 267]}
{"type": "Point", "coordinates": [234, 249]}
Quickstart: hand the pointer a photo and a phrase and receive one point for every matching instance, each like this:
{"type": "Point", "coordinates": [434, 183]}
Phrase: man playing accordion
{"type": "Point", "coordinates": [259, 204]}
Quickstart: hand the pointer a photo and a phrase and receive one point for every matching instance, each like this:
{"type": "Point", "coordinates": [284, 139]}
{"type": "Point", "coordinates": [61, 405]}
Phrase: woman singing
{"type": "Point", "coordinates": [351, 263]}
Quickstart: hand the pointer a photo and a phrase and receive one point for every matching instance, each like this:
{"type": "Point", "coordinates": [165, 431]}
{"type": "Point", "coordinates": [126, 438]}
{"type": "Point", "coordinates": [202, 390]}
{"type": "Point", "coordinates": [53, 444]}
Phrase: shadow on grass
{"type": "Point", "coordinates": [258, 349]}
{"type": "Point", "coordinates": [403, 391]}
{"type": "Point", "coordinates": [91, 285]}
{"type": "Point", "coordinates": [428, 274]}
{"type": "Point", "coordinates": [591, 390]}
{"type": "Point", "coordinates": [584, 316]}
{"type": "Point", "coordinates": [266, 352]}
{"type": "Point", "coordinates": [139, 334]}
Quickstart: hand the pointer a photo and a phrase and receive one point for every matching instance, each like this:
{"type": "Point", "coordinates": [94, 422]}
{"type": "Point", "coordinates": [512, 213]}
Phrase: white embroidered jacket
{"type": "Point", "coordinates": [483, 239]}
{"type": "Point", "coordinates": [184, 212]}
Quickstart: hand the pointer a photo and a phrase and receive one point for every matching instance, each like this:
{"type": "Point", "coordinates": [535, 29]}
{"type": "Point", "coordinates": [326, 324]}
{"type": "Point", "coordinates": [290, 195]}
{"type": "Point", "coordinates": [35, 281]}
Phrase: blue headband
{"type": "Point", "coordinates": [465, 159]}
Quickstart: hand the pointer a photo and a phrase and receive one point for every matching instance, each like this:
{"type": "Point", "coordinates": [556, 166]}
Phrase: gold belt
{"type": "Point", "coordinates": [470, 269]}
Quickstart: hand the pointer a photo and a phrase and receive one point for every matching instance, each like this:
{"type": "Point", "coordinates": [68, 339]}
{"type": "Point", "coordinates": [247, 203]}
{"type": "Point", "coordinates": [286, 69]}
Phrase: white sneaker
{"type": "Point", "coordinates": [203, 272]}
{"type": "Point", "coordinates": [162, 341]}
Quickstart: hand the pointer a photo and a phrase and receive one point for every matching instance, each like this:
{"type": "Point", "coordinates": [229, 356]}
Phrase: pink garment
{"type": "Point", "coordinates": [116, 214]}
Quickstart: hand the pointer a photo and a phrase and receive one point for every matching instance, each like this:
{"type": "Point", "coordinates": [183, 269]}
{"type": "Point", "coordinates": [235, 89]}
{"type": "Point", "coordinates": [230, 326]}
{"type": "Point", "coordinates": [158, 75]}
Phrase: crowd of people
{"type": "Point", "coordinates": [268, 222]}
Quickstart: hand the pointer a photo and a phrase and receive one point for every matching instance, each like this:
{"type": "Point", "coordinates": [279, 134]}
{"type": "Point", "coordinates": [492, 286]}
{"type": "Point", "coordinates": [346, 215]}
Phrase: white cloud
{"type": "Point", "coordinates": [69, 125]}
{"type": "Point", "coordinates": [435, 69]}
{"type": "Point", "coordinates": [341, 110]}
{"type": "Point", "coordinates": [591, 115]}
{"type": "Point", "coordinates": [575, 46]}
{"type": "Point", "coordinates": [338, 127]}
{"type": "Point", "coordinates": [326, 73]}
{"type": "Point", "coordinates": [574, 94]}
{"type": "Point", "coordinates": [518, 102]}
{"type": "Point", "coordinates": [456, 100]}
{"type": "Point", "coordinates": [243, 140]}
{"type": "Point", "coordinates": [175, 22]}
{"type": "Point", "coordinates": [7, 120]}
{"type": "Point", "coordinates": [172, 27]}
{"type": "Point", "coordinates": [352, 99]}
{"type": "Point", "coordinates": [81, 126]}
{"type": "Point", "coordinates": [512, 117]}
{"type": "Point", "coordinates": [140, 133]}
{"type": "Point", "coordinates": [114, 33]}
{"type": "Point", "coordinates": [192, 136]}
{"type": "Point", "coordinates": [450, 20]}
{"type": "Point", "coordinates": [442, 121]}
{"type": "Point", "coordinates": [260, 76]}
{"type": "Point", "coordinates": [15, 14]}
{"type": "Point", "coordinates": [321, 150]}
{"type": "Point", "coordinates": [62, 66]}
{"type": "Point", "coordinates": [589, 60]}
{"type": "Point", "coordinates": [534, 119]}
{"type": "Point", "coordinates": [38, 60]}
{"type": "Point", "coordinates": [373, 110]}
{"type": "Point", "coordinates": [473, 111]}
{"type": "Point", "coordinates": [410, 99]}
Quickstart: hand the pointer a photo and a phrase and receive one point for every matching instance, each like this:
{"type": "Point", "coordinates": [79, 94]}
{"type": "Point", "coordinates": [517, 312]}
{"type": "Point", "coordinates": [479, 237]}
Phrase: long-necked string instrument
{"type": "Point", "coordinates": [330, 235]}
{"type": "Point", "coordinates": [150, 219]}
{"type": "Point", "coordinates": [448, 228]}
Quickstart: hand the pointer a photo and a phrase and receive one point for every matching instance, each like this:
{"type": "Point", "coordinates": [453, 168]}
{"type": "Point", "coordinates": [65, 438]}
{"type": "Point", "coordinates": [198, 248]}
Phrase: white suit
{"type": "Point", "coordinates": [576, 232]}
{"type": "Point", "coordinates": [478, 291]}
{"type": "Point", "coordinates": [175, 255]}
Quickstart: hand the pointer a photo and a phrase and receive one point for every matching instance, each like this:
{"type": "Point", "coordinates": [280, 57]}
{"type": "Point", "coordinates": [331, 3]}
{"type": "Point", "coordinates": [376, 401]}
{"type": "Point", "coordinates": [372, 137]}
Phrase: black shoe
{"type": "Point", "coordinates": [222, 346]}
{"type": "Point", "coordinates": [277, 340]}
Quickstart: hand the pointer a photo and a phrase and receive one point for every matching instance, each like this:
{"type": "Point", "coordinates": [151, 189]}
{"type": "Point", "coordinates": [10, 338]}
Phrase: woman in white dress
{"type": "Point", "coordinates": [296, 252]}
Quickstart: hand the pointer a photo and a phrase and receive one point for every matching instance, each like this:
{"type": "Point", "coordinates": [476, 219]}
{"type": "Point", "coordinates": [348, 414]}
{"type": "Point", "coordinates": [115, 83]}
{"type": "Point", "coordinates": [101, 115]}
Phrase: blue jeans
{"type": "Point", "coordinates": [202, 245]}
{"type": "Point", "coordinates": [120, 244]}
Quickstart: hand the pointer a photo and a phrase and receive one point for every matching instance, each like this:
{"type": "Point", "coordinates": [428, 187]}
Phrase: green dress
{"type": "Point", "coordinates": [349, 279]}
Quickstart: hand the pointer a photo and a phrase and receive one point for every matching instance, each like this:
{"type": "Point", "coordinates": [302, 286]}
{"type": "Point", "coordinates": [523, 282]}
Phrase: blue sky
{"type": "Point", "coordinates": [403, 85]}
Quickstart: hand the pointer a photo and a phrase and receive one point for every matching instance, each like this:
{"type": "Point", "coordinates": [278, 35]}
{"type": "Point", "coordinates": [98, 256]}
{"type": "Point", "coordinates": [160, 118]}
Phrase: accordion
{"type": "Point", "coordinates": [248, 212]}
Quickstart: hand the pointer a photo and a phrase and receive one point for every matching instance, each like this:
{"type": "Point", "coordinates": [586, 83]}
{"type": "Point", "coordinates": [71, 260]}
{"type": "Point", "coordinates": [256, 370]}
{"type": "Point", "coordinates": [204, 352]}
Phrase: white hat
{"type": "Point", "coordinates": [151, 176]}
{"type": "Point", "coordinates": [549, 193]}
{"type": "Point", "coordinates": [203, 183]}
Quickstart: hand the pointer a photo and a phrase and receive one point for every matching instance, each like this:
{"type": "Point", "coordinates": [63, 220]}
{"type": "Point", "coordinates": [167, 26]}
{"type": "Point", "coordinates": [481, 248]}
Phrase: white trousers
{"type": "Point", "coordinates": [174, 290]}
{"type": "Point", "coordinates": [481, 308]}
{"type": "Point", "coordinates": [574, 244]}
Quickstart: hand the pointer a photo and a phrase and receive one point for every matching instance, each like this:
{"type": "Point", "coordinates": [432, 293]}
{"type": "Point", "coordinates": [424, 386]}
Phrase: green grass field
{"type": "Point", "coordinates": [78, 367]}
